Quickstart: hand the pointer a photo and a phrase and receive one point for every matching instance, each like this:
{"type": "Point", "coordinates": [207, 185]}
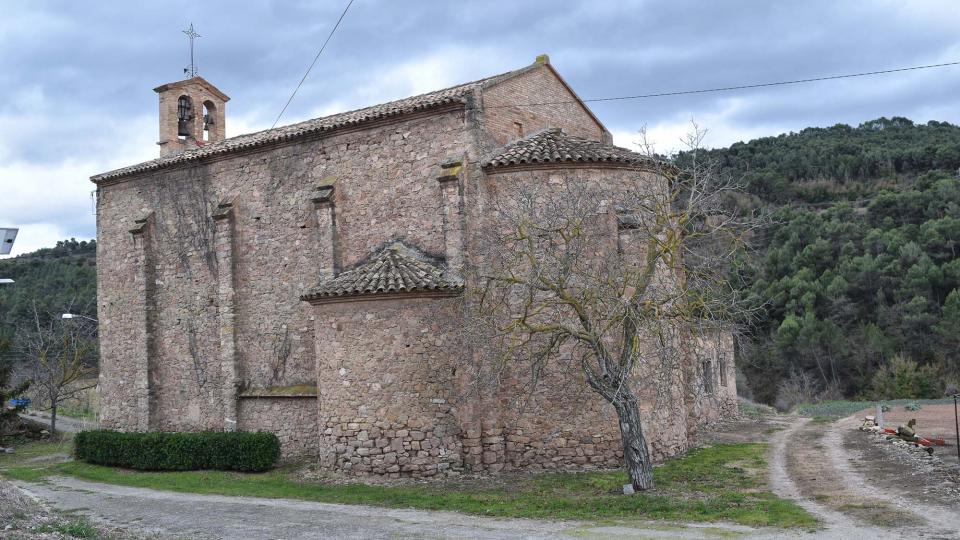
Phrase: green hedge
{"type": "Point", "coordinates": [224, 451]}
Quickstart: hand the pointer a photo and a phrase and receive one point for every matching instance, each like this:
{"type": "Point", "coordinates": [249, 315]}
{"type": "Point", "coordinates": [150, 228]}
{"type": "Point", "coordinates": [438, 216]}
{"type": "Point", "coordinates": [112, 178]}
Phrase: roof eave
{"type": "Point", "coordinates": [316, 299]}
{"type": "Point", "coordinates": [197, 80]}
{"type": "Point", "coordinates": [580, 164]}
{"type": "Point", "coordinates": [118, 175]}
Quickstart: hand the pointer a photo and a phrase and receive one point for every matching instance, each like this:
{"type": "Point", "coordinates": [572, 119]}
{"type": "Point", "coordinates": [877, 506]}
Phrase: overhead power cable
{"type": "Point", "coordinates": [315, 58]}
{"type": "Point", "coordinates": [739, 87]}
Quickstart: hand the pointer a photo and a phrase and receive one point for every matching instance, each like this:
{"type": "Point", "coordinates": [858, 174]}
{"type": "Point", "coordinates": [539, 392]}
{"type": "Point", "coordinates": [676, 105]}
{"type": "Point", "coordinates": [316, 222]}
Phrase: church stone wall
{"type": "Point", "coordinates": [520, 99]}
{"type": "Point", "coordinates": [385, 190]}
{"type": "Point", "coordinates": [292, 419]}
{"type": "Point", "coordinates": [387, 373]}
{"type": "Point", "coordinates": [120, 310]}
{"type": "Point", "coordinates": [565, 423]}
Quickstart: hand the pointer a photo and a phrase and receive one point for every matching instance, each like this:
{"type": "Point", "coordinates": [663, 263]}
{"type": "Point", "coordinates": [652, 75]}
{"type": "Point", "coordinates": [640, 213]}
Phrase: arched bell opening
{"type": "Point", "coordinates": [209, 120]}
{"type": "Point", "coordinates": [184, 117]}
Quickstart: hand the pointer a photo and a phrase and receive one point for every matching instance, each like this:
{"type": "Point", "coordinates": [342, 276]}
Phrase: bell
{"type": "Point", "coordinates": [183, 128]}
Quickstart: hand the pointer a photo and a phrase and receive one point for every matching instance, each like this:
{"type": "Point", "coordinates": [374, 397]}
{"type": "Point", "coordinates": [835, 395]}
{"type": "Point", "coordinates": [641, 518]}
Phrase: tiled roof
{"type": "Point", "coordinates": [396, 269]}
{"type": "Point", "coordinates": [454, 94]}
{"type": "Point", "coordinates": [555, 146]}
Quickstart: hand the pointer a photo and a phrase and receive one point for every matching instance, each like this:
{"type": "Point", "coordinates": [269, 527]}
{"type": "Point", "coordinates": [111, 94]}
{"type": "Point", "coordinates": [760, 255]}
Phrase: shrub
{"type": "Point", "coordinates": [904, 379]}
{"type": "Point", "coordinates": [225, 451]}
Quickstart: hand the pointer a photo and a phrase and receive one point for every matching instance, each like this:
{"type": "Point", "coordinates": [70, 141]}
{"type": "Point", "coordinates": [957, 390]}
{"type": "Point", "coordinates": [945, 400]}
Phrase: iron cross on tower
{"type": "Point", "coordinates": [191, 70]}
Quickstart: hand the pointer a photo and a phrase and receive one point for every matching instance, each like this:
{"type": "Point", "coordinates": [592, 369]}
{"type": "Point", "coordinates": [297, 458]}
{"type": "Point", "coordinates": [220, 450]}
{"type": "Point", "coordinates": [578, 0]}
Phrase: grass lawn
{"type": "Point", "coordinates": [718, 483]}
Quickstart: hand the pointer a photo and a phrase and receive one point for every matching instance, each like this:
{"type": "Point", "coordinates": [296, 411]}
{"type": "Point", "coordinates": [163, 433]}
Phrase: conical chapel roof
{"type": "Point", "coordinates": [396, 269]}
{"type": "Point", "coordinates": [554, 146]}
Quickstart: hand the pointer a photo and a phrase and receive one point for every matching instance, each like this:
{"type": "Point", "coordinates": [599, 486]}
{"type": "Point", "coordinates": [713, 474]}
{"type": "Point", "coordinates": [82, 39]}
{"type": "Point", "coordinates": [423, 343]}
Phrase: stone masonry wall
{"type": "Point", "coordinates": [386, 190]}
{"type": "Point", "coordinates": [387, 373]}
{"type": "Point", "coordinates": [565, 424]}
{"type": "Point", "coordinates": [515, 100]}
{"type": "Point", "coordinates": [292, 419]}
{"type": "Point", "coordinates": [119, 328]}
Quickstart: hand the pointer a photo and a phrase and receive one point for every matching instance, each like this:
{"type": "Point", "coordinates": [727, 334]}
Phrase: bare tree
{"type": "Point", "coordinates": [616, 279]}
{"type": "Point", "coordinates": [57, 357]}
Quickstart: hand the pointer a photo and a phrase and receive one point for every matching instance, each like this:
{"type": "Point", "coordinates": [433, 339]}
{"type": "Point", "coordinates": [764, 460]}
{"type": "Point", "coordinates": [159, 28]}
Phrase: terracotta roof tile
{"type": "Point", "coordinates": [396, 269]}
{"type": "Point", "coordinates": [555, 146]}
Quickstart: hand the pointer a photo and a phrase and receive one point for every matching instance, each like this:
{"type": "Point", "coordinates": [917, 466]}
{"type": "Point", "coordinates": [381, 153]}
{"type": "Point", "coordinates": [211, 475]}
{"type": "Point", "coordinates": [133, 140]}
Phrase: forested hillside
{"type": "Point", "coordinates": [50, 280]}
{"type": "Point", "coordinates": [858, 274]}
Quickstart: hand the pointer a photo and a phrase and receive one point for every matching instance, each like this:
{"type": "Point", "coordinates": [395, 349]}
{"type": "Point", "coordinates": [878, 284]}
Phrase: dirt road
{"type": "Point", "coordinates": [831, 470]}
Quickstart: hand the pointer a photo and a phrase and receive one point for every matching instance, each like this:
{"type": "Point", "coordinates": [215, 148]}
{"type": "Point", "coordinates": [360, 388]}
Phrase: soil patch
{"type": "Point", "coordinates": [897, 470]}
{"type": "Point", "coordinates": [933, 421]}
{"type": "Point", "coordinates": [745, 430]}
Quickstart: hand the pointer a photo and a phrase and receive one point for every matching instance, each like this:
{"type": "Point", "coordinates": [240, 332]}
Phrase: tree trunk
{"type": "Point", "coordinates": [636, 458]}
{"type": "Point", "coordinates": [53, 421]}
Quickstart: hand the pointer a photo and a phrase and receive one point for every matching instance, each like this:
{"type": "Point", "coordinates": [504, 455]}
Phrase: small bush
{"type": "Point", "coordinates": [226, 451]}
{"type": "Point", "coordinates": [902, 378]}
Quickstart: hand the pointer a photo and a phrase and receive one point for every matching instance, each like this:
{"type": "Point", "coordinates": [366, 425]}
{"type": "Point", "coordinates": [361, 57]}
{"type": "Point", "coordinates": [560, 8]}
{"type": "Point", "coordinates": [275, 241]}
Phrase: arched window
{"type": "Point", "coordinates": [209, 118]}
{"type": "Point", "coordinates": [184, 116]}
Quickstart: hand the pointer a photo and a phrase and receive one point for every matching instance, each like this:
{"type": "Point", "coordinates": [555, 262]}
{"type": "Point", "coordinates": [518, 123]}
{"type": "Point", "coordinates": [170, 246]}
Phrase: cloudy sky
{"type": "Point", "coordinates": [76, 77]}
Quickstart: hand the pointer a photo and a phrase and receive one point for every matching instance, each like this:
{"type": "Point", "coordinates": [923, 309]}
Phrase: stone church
{"type": "Point", "coordinates": [305, 280]}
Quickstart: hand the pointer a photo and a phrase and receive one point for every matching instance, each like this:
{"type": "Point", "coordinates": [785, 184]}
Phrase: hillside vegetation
{"type": "Point", "coordinates": [51, 281]}
{"type": "Point", "coordinates": [857, 278]}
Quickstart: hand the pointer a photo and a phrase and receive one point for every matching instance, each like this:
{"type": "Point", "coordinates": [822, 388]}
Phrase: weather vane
{"type": "Point", "coordinates": [191, 70]}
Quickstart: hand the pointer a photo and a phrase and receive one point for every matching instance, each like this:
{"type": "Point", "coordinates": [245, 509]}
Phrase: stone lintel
{"type": "Point", "coordinates": [323, 196]}
{"type": "Point", "coordinates": [224, 210]}
{"type": "Point", "coordinates": [450, 171]}
{"type": "Point", "coordinates": [140, 224]}
{"type": "Point", "coordinates": [324, 190]}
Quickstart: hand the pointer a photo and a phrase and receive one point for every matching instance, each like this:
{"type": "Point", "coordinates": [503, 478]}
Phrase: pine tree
{"type": "Point", "coordinates": [949, 330]}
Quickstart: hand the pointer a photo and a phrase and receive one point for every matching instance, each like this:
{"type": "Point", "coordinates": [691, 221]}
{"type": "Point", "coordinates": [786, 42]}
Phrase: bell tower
{"type": "Point", "coordinates": [191, 111]}
{"type": "Point", "coordinates": [191, 115]}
